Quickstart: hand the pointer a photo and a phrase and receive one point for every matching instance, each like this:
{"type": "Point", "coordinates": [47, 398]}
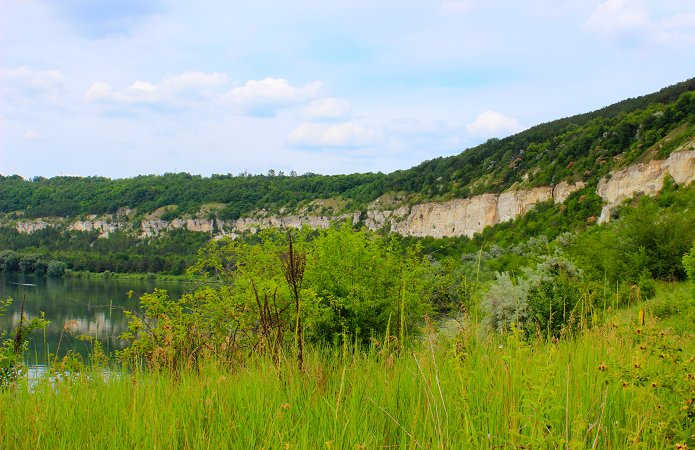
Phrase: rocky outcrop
{"type": "Point", "coordinates": [152, 227]}
{"type": "Point", "coordinates": [646, 178]}
{"type": "Point", "coordinates": [31, 226]}
{"type": "Point", "coordinates": [465, 217]}
{"type": "Point", "coordinates": [103, 226]}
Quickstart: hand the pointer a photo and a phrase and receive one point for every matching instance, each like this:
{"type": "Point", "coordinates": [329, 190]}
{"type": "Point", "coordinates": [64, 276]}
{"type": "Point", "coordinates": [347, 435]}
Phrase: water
{"type": "Point", "coordinates": [75, 306]}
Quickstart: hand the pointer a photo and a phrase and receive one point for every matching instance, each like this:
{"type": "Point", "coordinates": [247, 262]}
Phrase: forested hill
{"type": "Point", "coordinates": [583, 147]}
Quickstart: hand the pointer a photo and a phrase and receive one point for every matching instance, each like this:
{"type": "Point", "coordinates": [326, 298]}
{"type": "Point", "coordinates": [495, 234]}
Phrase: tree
{"type": "Point", "coordinates": [56, 269]}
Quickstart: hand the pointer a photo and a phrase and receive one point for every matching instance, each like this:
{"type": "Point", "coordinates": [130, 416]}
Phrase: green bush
{"type": "Point", "coordinates": [56, 269]}
{"type": "Point", "coordinates": [548, 300]}
{"type": "Point", "coordinates": [9, 261]}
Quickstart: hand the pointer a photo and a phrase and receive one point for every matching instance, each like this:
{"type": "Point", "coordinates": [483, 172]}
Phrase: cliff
{"type": "Point", "coordinates": [647, 178]}
{"type": "Point", "coordinates": [459, 217]}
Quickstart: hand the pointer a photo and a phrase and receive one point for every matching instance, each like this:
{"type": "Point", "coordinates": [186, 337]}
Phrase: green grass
{"type": "Point", "coordinates": [618, 385]}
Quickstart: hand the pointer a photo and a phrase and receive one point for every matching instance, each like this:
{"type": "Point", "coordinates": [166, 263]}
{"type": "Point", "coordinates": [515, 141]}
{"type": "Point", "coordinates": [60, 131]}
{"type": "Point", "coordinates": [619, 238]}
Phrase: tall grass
{"type": "Point", "coordinates": [620, 385]}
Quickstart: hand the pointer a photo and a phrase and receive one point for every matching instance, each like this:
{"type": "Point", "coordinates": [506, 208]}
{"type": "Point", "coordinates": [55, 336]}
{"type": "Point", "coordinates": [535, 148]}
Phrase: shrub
{"type": "Point", "coordinates": [506, 302]}
{"type": "Point", "coordinates": [555, 291]}
{"type": "Point", "coordinates": [26, 263]}
{"type": "Point", "coordinates": [56, 269]}
{"type": "Point", "coordinates": [9, 261]}
{"type": "Point", "coordinates": [547, 300]}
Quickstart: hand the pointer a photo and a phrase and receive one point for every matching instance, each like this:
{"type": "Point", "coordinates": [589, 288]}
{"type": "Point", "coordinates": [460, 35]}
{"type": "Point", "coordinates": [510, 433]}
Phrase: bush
{"type": "Point", "coordinates": [555, 291]}
{"type": "Point", "coordinates": [26, 263]}
{"type": "Point", "coordinates": [56, 269]}
{"type": "Point", "coordinates": [548, 300]}
{"type": "Point", "coordinates": [9, 261]}
{"type": "Point", "coordinates": [506, 302]}
{"type": "Point", "coordinates": [40, 267]}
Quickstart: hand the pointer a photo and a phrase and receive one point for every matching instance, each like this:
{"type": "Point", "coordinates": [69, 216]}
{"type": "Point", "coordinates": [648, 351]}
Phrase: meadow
{"type": "Point", "coordinates": [625, 381]}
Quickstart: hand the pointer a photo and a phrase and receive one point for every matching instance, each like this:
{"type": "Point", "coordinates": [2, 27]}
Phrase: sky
{"type": "Point", "coordinates": [120, 88]}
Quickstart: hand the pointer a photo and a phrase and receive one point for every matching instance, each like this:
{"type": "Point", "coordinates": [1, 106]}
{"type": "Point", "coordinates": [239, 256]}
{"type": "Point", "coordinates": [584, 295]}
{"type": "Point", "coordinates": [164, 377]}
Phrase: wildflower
{"type": "Point", "coordinates": [285, 406]}
{"type": "Point", "coordinates": [653, 384]}
{"type": "Point", "coordinates": [625, 384]}
{"type": "Point", "coordinates": [636, 365]}
{"type": "Point", "coordinates": [638, 331]}
{"type": "Point", "coordinates": [602, 367]}
{"type": "Point", "coordinates": [681, 446]}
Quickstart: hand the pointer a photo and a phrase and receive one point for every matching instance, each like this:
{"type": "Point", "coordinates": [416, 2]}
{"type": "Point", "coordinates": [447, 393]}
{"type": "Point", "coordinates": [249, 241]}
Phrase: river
{"type": "Point", "coordinates": [75, 306]}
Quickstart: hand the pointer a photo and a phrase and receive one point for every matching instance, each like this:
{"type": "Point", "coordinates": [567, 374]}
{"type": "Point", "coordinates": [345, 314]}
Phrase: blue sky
{"type": "Point", "coordinates": [125, 87]}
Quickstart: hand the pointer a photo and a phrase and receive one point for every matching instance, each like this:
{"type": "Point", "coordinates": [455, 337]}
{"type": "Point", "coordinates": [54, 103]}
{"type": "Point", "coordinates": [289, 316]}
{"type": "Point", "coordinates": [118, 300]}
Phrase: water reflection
{"type": "Point", "coordinates": [74, 306]}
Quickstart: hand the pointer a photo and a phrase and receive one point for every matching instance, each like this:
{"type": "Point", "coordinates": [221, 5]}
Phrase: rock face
{"type": "Point", "coordinates": [103, 226]}
{"type": "Point", "coordinates": [30, 227]}
{"type": "Point", "coordinates": [465, 217]}
{"type": "Point", "coordinates": [459, 217]}
{"type": "Point", "coordinates": [153, 227]}
{"type": "Point", "coordinates": [647, 178]}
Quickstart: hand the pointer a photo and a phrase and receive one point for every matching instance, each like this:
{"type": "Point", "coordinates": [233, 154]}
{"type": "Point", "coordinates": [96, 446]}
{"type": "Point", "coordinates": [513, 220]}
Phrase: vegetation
{"type": "Point", "coordinates": [615, 385]}
{"type": "Point", "coordinates": [121, 252]}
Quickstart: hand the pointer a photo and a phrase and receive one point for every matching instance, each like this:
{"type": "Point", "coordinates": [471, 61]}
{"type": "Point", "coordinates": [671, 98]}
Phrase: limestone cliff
{"type": "Point", "coordinates": [459, 217]}
{"type": "Point", "coordinates": [646, 178]}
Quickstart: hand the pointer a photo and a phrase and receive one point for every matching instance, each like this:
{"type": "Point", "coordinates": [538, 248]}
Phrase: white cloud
{"type": "Point", "coordinates": [23, 84]}
{"type": "Point", "coordinates": [630, 22]}
{"type": "Point", "coordinates": [618, 16]}
{"type": "Point", "coordinates": [328, 109]}
{"type": "Point", "coordinates": [345, 135]}
{"type": "Point", "coordinates": [263, 98]}
{"type": "Point", "coordinates": [676, 30]}
{"type": "Point", "coordinates": [176, 90]}
{"type": "Point", "coordinates": [491, 123]}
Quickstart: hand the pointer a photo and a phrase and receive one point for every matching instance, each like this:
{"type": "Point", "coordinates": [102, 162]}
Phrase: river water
{"type": "Point", "coordinates": [75, 307]}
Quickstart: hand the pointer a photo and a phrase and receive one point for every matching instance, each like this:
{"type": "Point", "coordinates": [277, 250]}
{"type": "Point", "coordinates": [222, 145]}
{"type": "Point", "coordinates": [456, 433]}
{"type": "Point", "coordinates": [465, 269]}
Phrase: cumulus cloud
{"type": "Point", "coordinates": [630, 22]}
{"type": "Point", "coordinates": [619, 16]}
{"type": "Point", "coordinates": [23, 88]}
{"type": "Point", "coordinates": [263, 98]}
{"type": "Point", "coordinates": [347, 135]}
{"type": "Point", "coordinates": [491, 123]}
{"type": "Point", "coordinates": [178, 90]}
{"type": "Point", "coordinates": [328, 109]}
{"type": "Point", "coordinates": [26, 81]}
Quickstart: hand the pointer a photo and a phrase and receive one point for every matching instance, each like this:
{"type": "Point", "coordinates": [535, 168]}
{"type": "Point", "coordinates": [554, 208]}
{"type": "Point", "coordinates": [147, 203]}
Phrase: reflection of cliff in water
{"type": "Point", "coordinates": [75, 307]}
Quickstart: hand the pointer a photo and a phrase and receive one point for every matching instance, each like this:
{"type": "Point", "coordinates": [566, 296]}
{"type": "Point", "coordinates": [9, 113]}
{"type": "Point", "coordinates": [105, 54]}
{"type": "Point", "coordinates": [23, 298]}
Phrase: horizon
{"type": "Point", "coordinates": [130, 88]}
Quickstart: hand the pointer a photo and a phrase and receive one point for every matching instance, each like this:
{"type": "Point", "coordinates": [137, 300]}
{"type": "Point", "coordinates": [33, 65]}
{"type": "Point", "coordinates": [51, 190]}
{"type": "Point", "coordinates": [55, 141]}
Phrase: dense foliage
{"type": "Point", "coordinates": [122, 251]}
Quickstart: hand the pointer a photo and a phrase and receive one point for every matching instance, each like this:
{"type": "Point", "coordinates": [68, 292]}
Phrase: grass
{"type": "Point", "coordinates": [618, 385]}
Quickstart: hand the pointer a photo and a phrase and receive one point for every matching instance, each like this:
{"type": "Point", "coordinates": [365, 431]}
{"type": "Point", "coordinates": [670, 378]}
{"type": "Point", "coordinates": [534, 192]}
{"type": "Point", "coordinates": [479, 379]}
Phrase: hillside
{"type": "Point", "coordinates": [571, 173]}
